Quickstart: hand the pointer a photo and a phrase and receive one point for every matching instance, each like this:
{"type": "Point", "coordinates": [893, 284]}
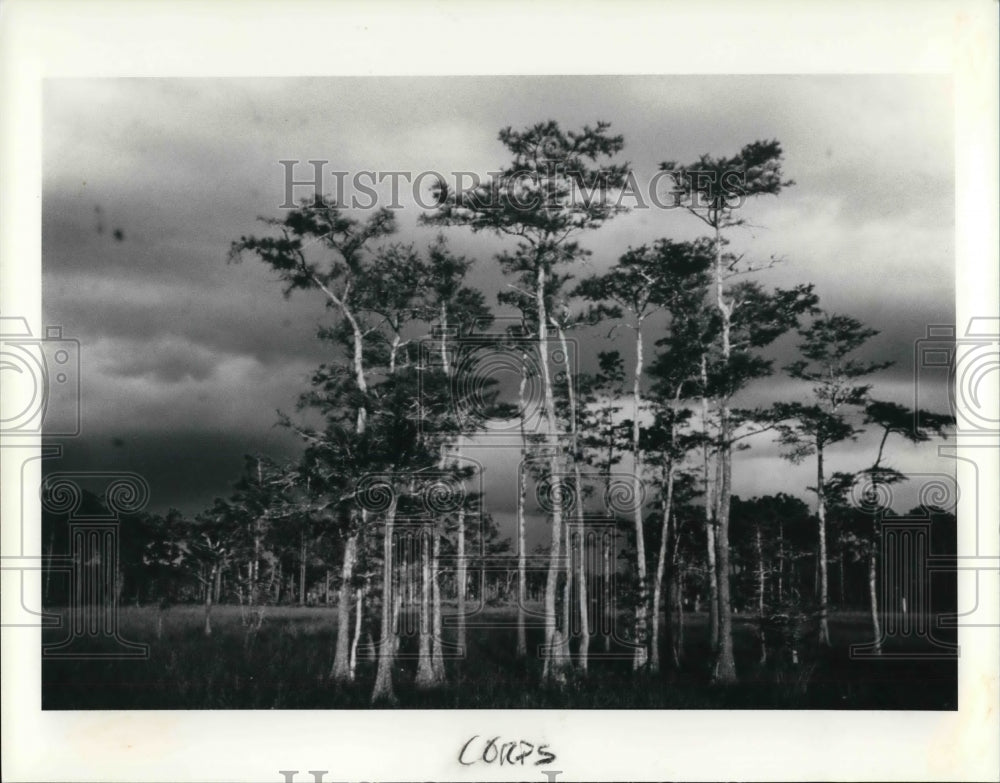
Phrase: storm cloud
{"type": "Point", "coordinates": [186, 356]}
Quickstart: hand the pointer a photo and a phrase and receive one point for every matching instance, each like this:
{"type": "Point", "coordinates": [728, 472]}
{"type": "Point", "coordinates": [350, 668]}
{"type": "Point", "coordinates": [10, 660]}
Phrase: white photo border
{"type": "Point", "coordinates": [40, 40]}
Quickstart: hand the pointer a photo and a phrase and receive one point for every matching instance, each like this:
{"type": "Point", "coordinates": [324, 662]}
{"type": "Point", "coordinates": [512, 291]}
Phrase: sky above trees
{"type": "Point", "coordinates": [185, 359]}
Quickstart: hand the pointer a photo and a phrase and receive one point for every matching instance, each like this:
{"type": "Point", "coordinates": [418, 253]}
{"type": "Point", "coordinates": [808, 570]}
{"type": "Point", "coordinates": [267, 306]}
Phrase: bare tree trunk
{"type": "Point", "coordinates": [760, 593]}
{"type": "Point", "coordinates": [713, 589]}
{"type": "Point", "coordinates": [661, 564]}
{"type": "Point", "coordinates": [462, 572]}
{"type": "Point", "coordinates": [567, 605]}
{"type": "Point", "coordinates": [781, 561]}
{"type": "Point", "coordinates": [209, 584]}
{"type": "Point", "coordinates": [254, 568]}
{"type": "Point", "coordinates": [583, 651]}
{"type": "Point", "coordinates": [341, 671]}
{"type": "Point", "coordinates": [726, 666]}
{"type": "Point", "coordinates": [358, 615]}
{"type": "Point", "coordinates": [275, 581]}
{"type": "Point", "coordinates": [387, 643]}
{"type": "Point", "coordinates": [760, 573]}
{"type": "Point", "coordinates": [678, 648]}
{"type": "Point", "coordinates": [437, 638]}
{"type": "Point", "coordinates": [824, 626]}
{"type": "Point", "coordinates": [840, 580]}
{"type": "Point", "coordinates": [553, 448]}
{"type": "Point", "coordinates": [608, 598]}
{"type": "Point", "coordinates": [873, 595]}
{"type": "Point", "coordinates": [713, 584]}
{"type": "Point", "coordinates": [522, 571]}
{"type": "Point", "coordinates": [641, 657]}
{"type": "Point", "coordinates": [326, 587]}
{"type": "Point", "coordinates": [654, 631]}
{"type": "Point", "coordinates": [461, 577]}
{"type": "Point", "coordinates": [425, 673]}
{"type": "Point", "coordinates": [302, 570]}
{"type": "Point", "coordinates": [394, 624]}
{"type": "Point", "coordinates": [725, 670]}
{"type": "Point", "coordinates": [407, 575]}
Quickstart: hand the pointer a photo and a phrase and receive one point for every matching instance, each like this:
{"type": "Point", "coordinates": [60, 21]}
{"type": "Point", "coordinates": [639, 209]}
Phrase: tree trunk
{"type": "Point", "coordinates": [394, 624]}
{"type": "Point", "coordinates": [840, 580]}
{"type": "Point", "coordinates": [210, 583]}
{"type": "Point", "coordinates": [387, 642]}
{"type": "Point", "coordinates": [522, 571]}
{"type": "Point", "coordinates": [824, 625]}
{"type": "Point", "coordinates": [425, 673]}
{"type": "Point", "coordinates": [760, 593]}
{"type": "Point", "coordinates": [654, 631]}
{"type": "Point", "coordinates": [781, 561]}
{"type": "Point", "coordinates": [873, 595]}
{"type": "Point", "coordinates": [358, 615]}
{"type": "Point", "coordinates": [641, 657]}
{"type": "Point", "coordinates": [406, 576]}
{"type": "Point", "coordinates": [713, 590]}
{"type": "Point", "coordinates": [341, 666]}
{"type": "Point", "coordinates": [326, 587]}
{"type": "Point", "coordinates": [725, 670]}
{"type": "Point", "coordinates": [254, 566]}
{"type": "Point", "coordinates": [302, 570]}
{"type": "Point", "coordinates": [461, 578]}
{"type": "Point", "coordinates": [567, 605]}
{"type": "Point", "coordinates": [678, 648]}
{"type": "Point", "coordinates": [661, 564]}
{"type": "Point", "coordinates": [437, 638]}
{"type": "Point", "coordinates": [583, 651]}
{"type": "Point", "coordinates": [553, 448]}
{"type": "Point", "coordinates": [607, 601]}
{"type": "Point", "coordinates": [713, 585]}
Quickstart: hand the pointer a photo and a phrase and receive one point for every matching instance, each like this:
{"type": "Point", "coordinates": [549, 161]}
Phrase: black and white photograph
{"type": "Point", "coordinates": [579, 392]}
{"type": "Point", "coordinates": [411, 396]}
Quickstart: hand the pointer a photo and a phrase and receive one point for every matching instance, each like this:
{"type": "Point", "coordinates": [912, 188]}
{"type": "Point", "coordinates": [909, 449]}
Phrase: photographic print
{"type": "Point", "coordinates": [523, 392]}
{"type": "Point", "coordinates": [371, 417]}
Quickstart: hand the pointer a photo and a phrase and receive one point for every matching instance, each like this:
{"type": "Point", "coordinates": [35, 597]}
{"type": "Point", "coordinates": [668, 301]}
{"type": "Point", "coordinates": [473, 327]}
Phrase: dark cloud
{"type": "Point", "coordinates": [168, 363]}
{"type": "Point", "coordinates": [185, 469]}
{"type": "Point", "coordinates": [185, 357]}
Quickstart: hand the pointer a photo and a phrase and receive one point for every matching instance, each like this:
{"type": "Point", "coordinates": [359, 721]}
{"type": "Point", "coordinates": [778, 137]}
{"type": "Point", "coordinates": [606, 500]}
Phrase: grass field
{"type": "Point", "coordinates": [286, 663]}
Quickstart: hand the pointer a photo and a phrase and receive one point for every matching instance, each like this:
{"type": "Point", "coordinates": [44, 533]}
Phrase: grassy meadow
{"type": "Point", "coordinates": [286, 663]}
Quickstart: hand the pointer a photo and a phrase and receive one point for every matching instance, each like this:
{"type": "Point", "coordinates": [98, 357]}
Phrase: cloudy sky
{"type": "Point", "coordinates": [185, 359]}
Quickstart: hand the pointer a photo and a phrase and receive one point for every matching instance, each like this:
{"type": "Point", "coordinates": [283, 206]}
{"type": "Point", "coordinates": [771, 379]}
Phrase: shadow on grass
{"type": "Point", "coordinates": [286, 666]}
